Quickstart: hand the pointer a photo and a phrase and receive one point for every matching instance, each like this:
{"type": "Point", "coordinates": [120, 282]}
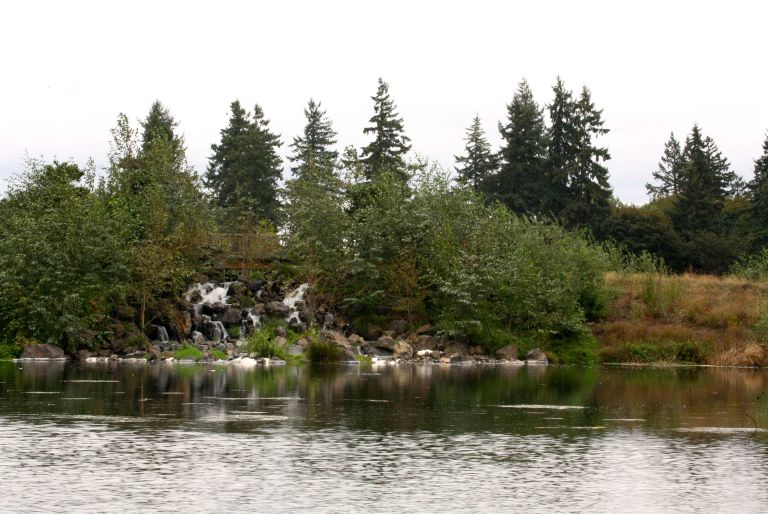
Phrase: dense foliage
{"type": "Point", "coordinates": [510, 251]}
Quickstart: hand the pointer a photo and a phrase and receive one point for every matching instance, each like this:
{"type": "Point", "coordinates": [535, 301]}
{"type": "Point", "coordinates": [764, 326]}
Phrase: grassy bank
{"type": "Point", "coordinates": [699, 319]}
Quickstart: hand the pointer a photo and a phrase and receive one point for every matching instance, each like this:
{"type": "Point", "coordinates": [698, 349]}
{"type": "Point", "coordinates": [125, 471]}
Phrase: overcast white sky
{"type": "Point", "coordinates": [68, 68]}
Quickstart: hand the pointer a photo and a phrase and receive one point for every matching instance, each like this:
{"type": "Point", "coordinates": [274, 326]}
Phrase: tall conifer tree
{"type": "Point", "coordinates": [563, 148]}
{"type": "Point", "coordinates": [244, 169]}
{"type": "Point", "coordinates": [704, 186]}
{"type": "Point", "coordinates": [759, 200]}
{"type": "Point", "coordinates": [669, 172]}
{"type": "Point", "coordinates": [313, 151]}
{"type": "Point", "coordinates": [390, 144]}
{"type": "Point", "coordinates": [590, 191]}
{"type": "Point", "coordinates": [521, 182]}
{"type": "Point", "coordinates": [478, 164]}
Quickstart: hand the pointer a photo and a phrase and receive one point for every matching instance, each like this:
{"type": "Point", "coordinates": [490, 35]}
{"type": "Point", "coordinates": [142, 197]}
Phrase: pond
{"type": "Point", "coordinates": [167, 438]}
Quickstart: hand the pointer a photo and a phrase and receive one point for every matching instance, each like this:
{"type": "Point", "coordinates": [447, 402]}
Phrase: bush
{"type": "Point", "coordinates": [322, 352]}
{"type": "Point", "coordinates": [262, 343]}
{"type": "Point", "coordinates": [188, 351]}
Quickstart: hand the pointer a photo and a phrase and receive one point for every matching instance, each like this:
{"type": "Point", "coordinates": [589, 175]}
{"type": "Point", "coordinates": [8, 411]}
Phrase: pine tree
{"type": "Point", "coordinates": [313, 150]}
{"type": "Point", "coordinates": [390, 144]}
{"type": "Point", "coordinates": [562, 151]}
{"type": "Point", "coordinates": [479, 163]}
{"type": "Point", "coordinates": [590, 191]}
{"type": "Point", "coordinates": [759, 200]}
{"type": "Point", "coordinates": [521, 182]}
{"type": "Point", "coordinates": [669, 172]}
{"type": "Point", "coordinates": [159, 124]}
{"type": "Point", "coordinates": [704, 186]}
{"type": "Point", "coordinates": [244, 169]}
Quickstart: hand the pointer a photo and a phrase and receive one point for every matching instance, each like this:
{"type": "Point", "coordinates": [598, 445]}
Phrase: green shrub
{"type": "Point", "coordinates": [262, 342]}
{"type": "Point", "coordinates": [188, 351]}
{"type": "Point", "coordinates": [323, 352]}
{"type": "Point", "coordinates": [219, 355]}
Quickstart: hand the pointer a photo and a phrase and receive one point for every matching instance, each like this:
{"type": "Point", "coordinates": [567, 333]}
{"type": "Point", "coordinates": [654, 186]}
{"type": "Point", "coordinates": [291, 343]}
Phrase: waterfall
{"type": "Point", "coordinates": [291, 300]}
{"type": "Point", "coordinates": [162, 334]}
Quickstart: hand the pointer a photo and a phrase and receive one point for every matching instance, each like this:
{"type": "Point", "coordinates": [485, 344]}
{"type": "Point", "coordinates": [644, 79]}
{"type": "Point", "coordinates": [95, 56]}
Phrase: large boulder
{"type": "Point", "coordinates": [230, 317]}
{"type": "Point", "coordinates": [236, 289]}
{"type": "Point", "coordinates": [333, 336]}
{"type": "Point", "coordinates": [214, 308]}
{"type": "Point", "coordinates": [276, 309]}
{"type": "Point", "coordinates": [425, 329]}
{"type": "Point", "coordinates": [403, 350]}
{"type": "Point", "coordinates": [42, 351]}
{"type": "Point", "coordinates": [424, 342]}
{"type": "Point", "coordinates": [536, 356]}
{"type": "Point", "coordinates": [386, 342]}
{"type": "Point", "coordinates": [507, 353]}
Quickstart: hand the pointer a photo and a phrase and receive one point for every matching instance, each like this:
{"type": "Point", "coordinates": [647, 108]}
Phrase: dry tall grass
{"type": "Point", "coordinates": [724, 319]}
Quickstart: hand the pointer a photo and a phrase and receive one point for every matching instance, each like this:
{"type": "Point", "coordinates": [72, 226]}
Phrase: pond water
{"type": "Point", "coordinates": [121, 438]}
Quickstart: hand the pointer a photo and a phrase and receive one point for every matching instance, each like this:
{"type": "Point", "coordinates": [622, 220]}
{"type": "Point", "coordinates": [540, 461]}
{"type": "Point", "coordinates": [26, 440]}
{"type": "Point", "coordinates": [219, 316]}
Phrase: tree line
{"type": "Point", "coordinates": [506, 248]}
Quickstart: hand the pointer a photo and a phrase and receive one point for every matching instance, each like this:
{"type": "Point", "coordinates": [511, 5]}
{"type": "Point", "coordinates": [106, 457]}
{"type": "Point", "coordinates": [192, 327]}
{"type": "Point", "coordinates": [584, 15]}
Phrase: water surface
{"type": "Point", "coordinates": [121, 438]}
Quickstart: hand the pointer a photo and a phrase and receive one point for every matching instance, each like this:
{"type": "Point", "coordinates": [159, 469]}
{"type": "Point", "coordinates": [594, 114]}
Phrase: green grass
{"type": "Point", "coordinates": [188, 351]}
{"type": "Point", "coordinates": [321, 352]}
{"type": "Point", "coordinates": [9, 351]}
{"type": "Point", "coordinates": [262, 343]}
{"type": "Point", "coordinates": [219, 355]}
{"type": "Point", "coordinates": [688, 352]}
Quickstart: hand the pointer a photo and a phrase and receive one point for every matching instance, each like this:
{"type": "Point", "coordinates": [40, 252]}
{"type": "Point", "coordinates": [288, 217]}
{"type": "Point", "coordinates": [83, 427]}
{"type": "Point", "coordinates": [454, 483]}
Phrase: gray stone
{"type": "Point", "coordinates": [280, 331]}
{"type": "Point", "coordinates": [277, 309]}
{"type": "Point", "coordinates": [386, 343]}
{"type": "Point", "coordinates": [508, 353]}
{"type": "Point", "coordinates": [402, 350]}
{"type": "Point", "coordinates": [536, 356]}
{"type": "Point", "coordinates": [42, 351]}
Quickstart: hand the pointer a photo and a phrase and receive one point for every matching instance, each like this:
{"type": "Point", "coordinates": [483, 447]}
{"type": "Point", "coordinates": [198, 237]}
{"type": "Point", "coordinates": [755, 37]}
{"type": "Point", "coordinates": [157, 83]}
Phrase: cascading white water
{"type": "Point", "coordinates": [162, 334]}
{"type": "Point", "coordinates": [297, 295]}
{"type": "Point", "coordinates": [209, 293]}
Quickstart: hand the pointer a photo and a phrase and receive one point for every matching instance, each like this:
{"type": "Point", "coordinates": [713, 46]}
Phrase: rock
{"type": "Point", "coordinates": [459, 358]}
{"type": "Point", "coordinates": [280, 341]}
{"type": "Point", "coordinates": [42, 351]}
{"type": "Point", "coordinates": [126, 313]}
{"type": "Point", "coordinates": [445, 360]}
{"type": "Point", "coordinates": [83, 355]}
{"type": "Point", "coordinates": [347, 354]}
{"type": "Point", "coordinates": [335, 337]}
{"type": "Point", "coordinates": [214, 308]}
{"type": "Point", "coordinates": [398, 326]}
{"type": "Point", "coordinates": [424, 353]}
{"type": "Point", "coordinates": [305, 315]}
{"type": "Point", "coordinates": [276, 309]}
{"type": "Point", "coordinates": [198, 338]}
{"type": "Point", "coordinates": [230, 316]}
{"type": "Point", "coordinates": [425, 329]}
{"type": "Point", "coordinates": [256, 286]}
{"type": "Point", "coordinates": [295, 349]}
{"type": "Point", "coordinates": [154, 354]}
{"type": "Point", "coordinates": [424, 342]}
{"type": "Point", "coordinates": [508, 353]}
{"type": "Point", "coordinates": [355, 339]}
{"type": "Point", "coordinates": [340, 323]}
{"type": "Point", "coordinates": [536, 356]}
{"type": "Point", "coordinates": [236, 289]}
{"type": "Point", "coordinates": [390, 333]}
{"type": "Point", "coordinates": [373, 332]}
{"type": "Point", "coordinates": [184, 323]}
{"type": "Point", "coordinates": [386, 342]}
{"type": "Point", "coordinates": [303, 343]}
{"type": "Point", "coordinates": [281, 331]}
{"type": "Point", "coordinates": [475, 350]}
{"type": "Point", "coordinates": [402, 350]}
{"type": "Point", "coordinates": [259, 309]}
{"type": "Point", "coordinates": [328, 321]}
{"type": "Point", "coordinates": [457, 347]}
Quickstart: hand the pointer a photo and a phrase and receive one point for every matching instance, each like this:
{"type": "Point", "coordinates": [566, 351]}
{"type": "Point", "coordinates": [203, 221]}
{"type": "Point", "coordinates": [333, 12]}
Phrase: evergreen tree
{"type": "Point", "coordinates": [478, 164]}
{"type": "Point", "coordinates": [563, 149]}
{"type": "Point", "coordinates": [759, 200]}
{"type": "Point", "coordinates": [159, 124]}
{"type": "Point", "coordinates": [669, 172]}
{"type": "Point", "coordinates": [245, 168]}
{"type": "Point", "coordinates": [521, 182]}
{"type": "Point", "coordinates": [385, 152]}
{"type": "Point", "coordinates": [313, 150]}
{"type": "Point", "coordinates": [590, 191]}
{"type": "Point", "coordinates": [704, 186]}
